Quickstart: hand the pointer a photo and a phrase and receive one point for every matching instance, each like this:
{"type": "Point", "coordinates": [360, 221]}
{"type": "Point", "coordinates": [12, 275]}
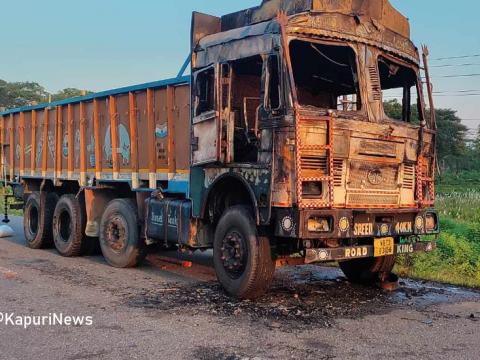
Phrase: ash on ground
{"type": "Point", "coordinates": [299, 297]}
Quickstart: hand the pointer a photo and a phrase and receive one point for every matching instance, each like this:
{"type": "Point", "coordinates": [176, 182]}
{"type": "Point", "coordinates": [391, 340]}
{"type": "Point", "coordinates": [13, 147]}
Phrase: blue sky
{"type": "Point", "coordinates": [98, 45]}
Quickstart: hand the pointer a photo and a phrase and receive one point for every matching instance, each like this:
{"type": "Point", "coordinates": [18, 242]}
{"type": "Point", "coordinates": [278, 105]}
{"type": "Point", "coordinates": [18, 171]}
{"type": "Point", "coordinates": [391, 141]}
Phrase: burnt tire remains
{"type": "Point", "coordinates": [369, 270]}
{"type": "Point", "coordinates": [38, 219]}
{"type": "Point", "coordinates": [119, 235]}
{"type": "Point", "coordinates": [243, 260]}
{"type": "Point", "coordinates": [68, 226]}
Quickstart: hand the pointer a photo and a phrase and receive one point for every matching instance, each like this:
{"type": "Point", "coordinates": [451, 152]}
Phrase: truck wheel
{"type": "Point", "coordinates": [68, 226]}
{"type": "Point", "coordinates": [368, 270]}
{"type": "Point", "coordinates": [243, 260]}
{"type": "Point", "coordinates": [38, 219]}
{"type": "Point", "coordinates": [119, 236]}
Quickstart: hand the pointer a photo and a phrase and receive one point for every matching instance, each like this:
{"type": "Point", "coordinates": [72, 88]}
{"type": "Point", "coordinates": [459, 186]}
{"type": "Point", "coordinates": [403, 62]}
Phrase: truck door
{"type": "Point", "coordinates": [205, 120]}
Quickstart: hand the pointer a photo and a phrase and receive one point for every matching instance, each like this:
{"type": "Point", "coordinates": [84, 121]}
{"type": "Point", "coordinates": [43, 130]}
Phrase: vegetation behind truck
{"type": "Point", "coordinates": [275, 151]}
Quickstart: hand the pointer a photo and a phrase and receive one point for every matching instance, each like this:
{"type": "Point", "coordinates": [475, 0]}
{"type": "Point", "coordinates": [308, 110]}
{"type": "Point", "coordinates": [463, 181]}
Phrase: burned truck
{"type": "Point", "coordinates": [276, 150]}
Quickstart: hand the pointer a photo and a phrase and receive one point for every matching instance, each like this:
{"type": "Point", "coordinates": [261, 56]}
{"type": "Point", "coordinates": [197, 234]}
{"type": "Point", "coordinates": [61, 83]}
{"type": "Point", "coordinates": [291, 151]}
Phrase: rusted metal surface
{"type": "Point", "coordinates": [22, 143]}
{"type": "Point", "coordinates": [132, 108]}
{"type": "Point", "coordinates": [70, 140]}
{"type": "Point", "coordinates": [283, 261]}
{"type": "Point", "coordinates": [12, 147]}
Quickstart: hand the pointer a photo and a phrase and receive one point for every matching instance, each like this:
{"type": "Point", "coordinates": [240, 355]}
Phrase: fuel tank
{"type": "Point", "coordinates": [168, 221]}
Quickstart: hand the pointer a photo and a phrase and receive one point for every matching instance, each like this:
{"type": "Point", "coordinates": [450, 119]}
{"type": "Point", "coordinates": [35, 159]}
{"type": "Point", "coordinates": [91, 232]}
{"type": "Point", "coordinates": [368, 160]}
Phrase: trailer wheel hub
{"type": "Point", "coordinates": [33, 220]}
{"type": "Point", "coordinates": [117, 234]}
{"type": "Point", "coordinates": [65, 226]}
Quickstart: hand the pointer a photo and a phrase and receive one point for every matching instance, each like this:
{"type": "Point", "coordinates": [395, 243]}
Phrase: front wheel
{"type": "Point", "coordinates": [368, 270]}
{"type": "Point", "coordinates": [243, 260]}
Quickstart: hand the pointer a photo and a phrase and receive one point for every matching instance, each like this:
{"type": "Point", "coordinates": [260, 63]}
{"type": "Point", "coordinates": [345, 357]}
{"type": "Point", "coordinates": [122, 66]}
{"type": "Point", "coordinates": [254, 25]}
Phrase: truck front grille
{"type": "Point", "coordinates": [373, 176]}
{"type": "Point", "coordinates": [372, 199]}
{"type": "Point", "coordinates": [313, 163]}
{"type": "Point", "coordinates": [409, 177]}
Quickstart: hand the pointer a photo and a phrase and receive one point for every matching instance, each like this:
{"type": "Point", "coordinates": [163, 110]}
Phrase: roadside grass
{"type": "Point", "coordinates": [457, 258]}
{"type": "Point", "coordinates": [461, 182]}
{"type": "Point", "coordinates": [2, 203]}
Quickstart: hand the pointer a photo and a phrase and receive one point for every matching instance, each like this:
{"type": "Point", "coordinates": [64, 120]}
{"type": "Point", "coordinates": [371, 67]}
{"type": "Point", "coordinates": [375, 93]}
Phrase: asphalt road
{"type": "Point", "coordinates": [165, 311]}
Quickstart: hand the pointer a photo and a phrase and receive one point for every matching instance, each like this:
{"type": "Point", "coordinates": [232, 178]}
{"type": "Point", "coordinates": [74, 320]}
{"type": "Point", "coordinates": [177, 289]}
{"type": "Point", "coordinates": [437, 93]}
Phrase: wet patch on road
{"type": "Point", "coordinates": [269, 351]}
{"type": "Point", "coordinates": [73, 275]}
{"type": "Point", "coordinates": [216, 353]}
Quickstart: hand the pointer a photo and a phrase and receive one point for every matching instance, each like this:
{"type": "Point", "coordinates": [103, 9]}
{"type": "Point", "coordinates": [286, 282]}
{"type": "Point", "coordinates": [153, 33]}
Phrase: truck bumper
{"type": "Point", "coordinates": [364, 251]}
{"type": "Point", "coordinates": [351, 224]}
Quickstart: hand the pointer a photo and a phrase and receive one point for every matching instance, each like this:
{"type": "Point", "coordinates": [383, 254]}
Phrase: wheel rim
{"type": "Point", "coordinates": [64, 226]}
{"type": "Point", "coordinates": [234, 254]}
{"type": "Point", "coordinates": [116, 234]}
{"type": "Point", "coordinates": [33, 220]}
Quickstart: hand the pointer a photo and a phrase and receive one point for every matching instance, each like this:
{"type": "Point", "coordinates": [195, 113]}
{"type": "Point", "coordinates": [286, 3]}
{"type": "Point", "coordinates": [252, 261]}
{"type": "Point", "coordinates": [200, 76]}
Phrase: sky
{"type": "Point", "coordinates": [98, 45]}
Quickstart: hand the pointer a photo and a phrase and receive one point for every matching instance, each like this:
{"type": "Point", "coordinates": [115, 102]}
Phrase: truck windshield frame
{"type": "Point", "coordinates": [326, 75]}
{"type": "Point", "coordinates": [397, 81]}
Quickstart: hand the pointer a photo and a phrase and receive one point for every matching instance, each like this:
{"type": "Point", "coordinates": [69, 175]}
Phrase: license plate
{"type": "Point", "coordinates": [384, 247]}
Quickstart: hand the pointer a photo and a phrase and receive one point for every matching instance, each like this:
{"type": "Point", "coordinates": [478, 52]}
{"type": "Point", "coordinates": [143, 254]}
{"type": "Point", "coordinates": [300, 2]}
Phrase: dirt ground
{"type": "Point", "coordinates": [165, 311]}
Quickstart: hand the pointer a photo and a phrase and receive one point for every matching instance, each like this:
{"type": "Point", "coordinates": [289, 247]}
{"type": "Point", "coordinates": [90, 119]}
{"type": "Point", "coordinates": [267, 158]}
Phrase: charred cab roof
{"type": "Point", "coordinates": [380, 11]}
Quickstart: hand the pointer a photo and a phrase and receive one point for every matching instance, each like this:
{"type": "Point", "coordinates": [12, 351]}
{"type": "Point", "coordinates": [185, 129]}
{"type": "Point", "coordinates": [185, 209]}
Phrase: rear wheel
{"type": "Point", "coordinates": [368, 270]}
{"type": "Point", "coordinates": [38, 219]}
{"type": "Point", "coordinates": [119, 235]}
{"type": "Point", "coordinates": [69, 226]}
{"type": "Point", "coordinates": [243, 260]}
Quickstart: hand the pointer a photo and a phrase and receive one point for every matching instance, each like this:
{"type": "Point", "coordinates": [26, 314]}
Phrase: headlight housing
{"type": "Point", "coordinates": [319, 224]}
{"type": "Point", "coordinates": [431, 222]}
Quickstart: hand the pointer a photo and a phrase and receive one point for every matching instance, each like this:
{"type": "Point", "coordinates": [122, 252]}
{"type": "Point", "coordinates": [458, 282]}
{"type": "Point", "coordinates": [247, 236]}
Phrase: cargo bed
{"type": "Point", "coordinates": [137, 134]}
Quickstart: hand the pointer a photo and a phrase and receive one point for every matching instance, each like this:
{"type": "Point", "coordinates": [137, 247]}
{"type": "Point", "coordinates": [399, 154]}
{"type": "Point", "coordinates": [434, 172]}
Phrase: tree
{"type": "Point", "coordinates": [21, 93]}
{"type": "Point", "coordinates": [69, 93]}
{"type": "Point", "coordinates": [451, 133]}
{"type": "Point", "coordinates": [476, 143]}
{"type": "Point", "coordinates": [18, 94]}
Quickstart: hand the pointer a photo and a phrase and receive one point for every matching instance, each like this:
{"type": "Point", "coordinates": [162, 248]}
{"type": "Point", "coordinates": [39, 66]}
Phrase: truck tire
{"type": "Point", "coordinates": [369, 270]}
{"type": "Point", "coordinates": [119, 235]}
{"type": "Point", "coordinates": [68, 226]}
{"type": "Point", "coordinates": [38, 219]}
{"type": "Point", "coordinates": [243, 260]}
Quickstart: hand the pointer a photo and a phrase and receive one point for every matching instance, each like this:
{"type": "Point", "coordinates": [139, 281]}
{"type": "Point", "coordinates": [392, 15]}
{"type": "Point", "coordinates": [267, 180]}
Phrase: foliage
{"type": "Point", "coordinates": [458, 182]}
{"type": "Point", "coordinates": [20, 93]}
{"type": "Point", "coordinates": [69, 93]}
{"type": "Point", "coordinates": [5, 191]}
{"type": "Point", "coordinates": [451, 139]}
{"type": "Point", "coordinates": [457, 259]}
{"type": "Point", "coordinates": [476, 142]}
{"type": "Point", "coordinates": [17, 94]}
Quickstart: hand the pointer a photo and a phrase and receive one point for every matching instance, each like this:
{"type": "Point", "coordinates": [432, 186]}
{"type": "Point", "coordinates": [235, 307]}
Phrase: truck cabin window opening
{"type": "Point", "coordinates": [326, 76]}
{"type": "Point", "coordinates": [205, 90]}
{"type": "Point", "coordinates": [273, 101]}
{"type": "Point", "coordinates": [245, 101]}
{"type": "Point", "coordinates": [397, 83]}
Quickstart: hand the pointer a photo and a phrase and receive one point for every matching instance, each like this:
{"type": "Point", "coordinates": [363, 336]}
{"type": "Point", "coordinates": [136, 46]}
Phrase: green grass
{"type": "Point", "coordinates": [457, 259]}
{"type": "Point", "coordinates": [462, 182]}
{"type": "Point", "coordinates": [2, 203]}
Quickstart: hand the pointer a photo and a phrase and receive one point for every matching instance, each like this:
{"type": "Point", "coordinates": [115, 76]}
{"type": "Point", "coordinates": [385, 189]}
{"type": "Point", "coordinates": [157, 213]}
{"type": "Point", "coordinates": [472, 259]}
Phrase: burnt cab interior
{"type": "Point", "coordinates": [246, 86]}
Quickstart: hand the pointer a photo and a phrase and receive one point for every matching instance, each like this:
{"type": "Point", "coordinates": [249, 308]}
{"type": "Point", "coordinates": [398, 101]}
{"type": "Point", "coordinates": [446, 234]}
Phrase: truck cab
{"type": "Point", "coordinates": [289, 130]}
